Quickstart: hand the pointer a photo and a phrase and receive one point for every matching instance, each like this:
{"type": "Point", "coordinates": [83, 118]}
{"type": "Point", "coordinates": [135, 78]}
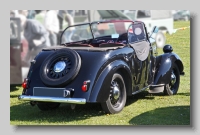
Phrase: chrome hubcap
{"type": "Point", "coordinates": [173, 78]}
{"type": "Point", "coordinates": [59, 66]}
{"type": "Point", "coordinates": [116, 92]}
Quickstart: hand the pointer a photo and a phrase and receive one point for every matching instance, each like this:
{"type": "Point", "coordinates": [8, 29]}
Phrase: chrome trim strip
{"type": "Point", "coordinates": [157, 85]}
{"type": "Point", "coordinates": [52, 99]}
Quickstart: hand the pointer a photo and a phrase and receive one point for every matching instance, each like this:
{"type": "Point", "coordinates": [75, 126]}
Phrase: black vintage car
{"type": "Point", "coordinates": [101, 62]}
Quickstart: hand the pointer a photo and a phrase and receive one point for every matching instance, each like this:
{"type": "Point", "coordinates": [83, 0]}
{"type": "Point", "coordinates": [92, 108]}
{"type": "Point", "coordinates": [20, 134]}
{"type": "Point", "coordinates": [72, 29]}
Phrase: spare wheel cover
{"type": "Point", "coordinates": [60, 68]}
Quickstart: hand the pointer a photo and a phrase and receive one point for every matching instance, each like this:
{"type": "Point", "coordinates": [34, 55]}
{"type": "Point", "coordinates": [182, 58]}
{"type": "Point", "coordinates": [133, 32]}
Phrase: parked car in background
{"type": "Point", "coordinates": [98, 15]}
{"type": "Point", "coordinates": [182, 15]}
{"type": "Point", "coordinates": [163, 19]}
{"type": "Point", "coordinates": [101, 62]}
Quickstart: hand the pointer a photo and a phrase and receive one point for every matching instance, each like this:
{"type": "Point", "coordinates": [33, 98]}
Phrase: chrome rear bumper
{"type": "Point", "coordinates": [52, 99]}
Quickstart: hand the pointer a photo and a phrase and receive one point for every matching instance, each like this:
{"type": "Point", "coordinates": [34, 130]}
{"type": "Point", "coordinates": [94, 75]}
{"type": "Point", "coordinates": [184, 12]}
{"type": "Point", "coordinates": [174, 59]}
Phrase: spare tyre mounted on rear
{"type": "Point", "coordinates": [60, 68]}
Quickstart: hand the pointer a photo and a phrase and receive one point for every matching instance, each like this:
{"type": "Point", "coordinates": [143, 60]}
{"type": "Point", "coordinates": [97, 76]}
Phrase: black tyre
{"type": "Point", "coordinates": [47, 106]}
{"type": "Point", "coordinates": [172, 87]}
{"type": "Point", "coordinates": [117, 97]}
{"type": "Point", "coordinates": [160, 39]}
{"type": "Point", "coordinates": [60, 68]}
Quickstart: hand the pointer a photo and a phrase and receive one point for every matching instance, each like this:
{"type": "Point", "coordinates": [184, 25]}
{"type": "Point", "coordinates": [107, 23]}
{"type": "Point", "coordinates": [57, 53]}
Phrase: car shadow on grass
{"type": "Point", "coordinates": [27, 113]}
{"type": "Point", "coordinates": [135, 98]}
{"type": "Point", "coordinates": [184, 94]}
{"type": "Point", "coordinates": [173, 115]}
{"type": "Point", "coordinates": [14, 96]}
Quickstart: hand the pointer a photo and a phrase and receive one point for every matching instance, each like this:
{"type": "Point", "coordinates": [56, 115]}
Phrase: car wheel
{"type": "Point", "coordinates": [117, 96]}
{"type": "Point", "coordinates": [160, 39]}
{"type": "Point", "coordinates": [172, 87]}
{"type": "Point", "coordinates": [60, 68]}
{"type": "Point", "coordinates": [48, 106]}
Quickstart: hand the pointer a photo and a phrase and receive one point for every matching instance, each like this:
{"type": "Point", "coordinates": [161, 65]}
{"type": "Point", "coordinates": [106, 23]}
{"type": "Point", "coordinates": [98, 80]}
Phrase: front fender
{"type": "Point", "coordinates": [101, 89]}
{"type": "Point", "coordinates": [165, 63]}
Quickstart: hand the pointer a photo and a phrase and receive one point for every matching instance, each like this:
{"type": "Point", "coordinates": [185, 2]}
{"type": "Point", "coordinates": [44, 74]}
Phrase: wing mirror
{"type": "Point", "coordinates": [154, 30]}
{"type": "Point", "coordinates": [159, 37]}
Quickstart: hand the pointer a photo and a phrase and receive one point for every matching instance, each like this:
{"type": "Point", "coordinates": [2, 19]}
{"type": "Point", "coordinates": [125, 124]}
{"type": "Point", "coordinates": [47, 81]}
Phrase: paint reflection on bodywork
{"type": "Point", "coordinates": [163, 73]}
{"type": "Point", "coordinates": [167, 64]}
{"type": "Point", "coordinates": [109, 67]}
{"type": "Point", "coordinates": [107, 56]}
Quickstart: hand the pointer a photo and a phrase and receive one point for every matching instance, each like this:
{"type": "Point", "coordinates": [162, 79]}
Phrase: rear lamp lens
{"type": "Point", "coordinates": [24, 84]}
{"type": "Point", "coordinates": [84, 88]}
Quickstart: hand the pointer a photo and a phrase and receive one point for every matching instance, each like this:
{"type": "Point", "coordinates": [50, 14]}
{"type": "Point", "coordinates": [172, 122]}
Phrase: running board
{"type": "Point", "coordinates": [138, 91]}
{"type": "Point", "coordinates": [156, 88]}
{"type": "Point", "coordinates": [151, 89]}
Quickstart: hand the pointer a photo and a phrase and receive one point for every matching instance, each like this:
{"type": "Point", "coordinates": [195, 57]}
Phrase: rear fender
{"type": "Point", "coordinates": [101, 89]}
{"type": "Point", "coordinates": [165, 63]}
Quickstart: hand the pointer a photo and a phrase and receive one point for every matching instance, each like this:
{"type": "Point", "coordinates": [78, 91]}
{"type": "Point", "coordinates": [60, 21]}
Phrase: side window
{"type": "Point", "coordinates": [136, 33]}
{"type": "Point", "coordinates": [143, 14]}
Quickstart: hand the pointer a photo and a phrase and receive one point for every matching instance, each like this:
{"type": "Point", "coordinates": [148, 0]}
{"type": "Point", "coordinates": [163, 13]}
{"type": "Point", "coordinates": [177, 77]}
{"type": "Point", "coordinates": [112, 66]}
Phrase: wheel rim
{"type": "Point", "coordinates": [116, 93]}
{"type": "Point", "coordinates": [59, 67]}
{"type": "Point", "coordinates": [174, 82]}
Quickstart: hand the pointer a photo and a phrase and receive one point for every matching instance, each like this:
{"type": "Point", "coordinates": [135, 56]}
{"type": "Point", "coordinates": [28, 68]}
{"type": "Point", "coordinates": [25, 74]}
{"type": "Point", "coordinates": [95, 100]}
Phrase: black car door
{"type": "Point", "coordinates": [137, 39]}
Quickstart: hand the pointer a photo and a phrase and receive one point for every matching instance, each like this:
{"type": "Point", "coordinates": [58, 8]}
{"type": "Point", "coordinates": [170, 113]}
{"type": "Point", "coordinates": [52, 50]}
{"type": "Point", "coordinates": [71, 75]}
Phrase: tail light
{"type": "Point", "coordinates": [24, 84]}
{"type": "Point", "coordinates": [85, 86]}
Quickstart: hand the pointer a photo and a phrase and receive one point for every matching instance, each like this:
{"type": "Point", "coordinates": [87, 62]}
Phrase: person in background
{"type": "Point", "coordinates": [24, 42]}
{"type": "Point", "coordinates": [69, 19]}
{"type": "Point", "coordinates": [69, 34]}
{"type": "Point", "coordinates": [23, 12]}
{"type": "Point", "coordinates": [51, 23]}
{"type": "Point", "coordinates": [61, 14]}
{"type": "Point", "coordinates": [31, 14]}
{"type": "Point", "coordinates": [36, 35]}
{"type": "Point", "coordinates": [13, 13]}
{"type": "Point", "coordinates": [71, 12]}
{"type": "Point", "coordinates": [68, 15]}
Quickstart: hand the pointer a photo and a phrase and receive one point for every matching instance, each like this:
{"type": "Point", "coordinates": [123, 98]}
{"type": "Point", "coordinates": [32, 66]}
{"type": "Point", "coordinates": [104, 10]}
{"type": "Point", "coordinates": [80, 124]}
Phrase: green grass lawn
{"type": "Point", "coordinates": [141, 109]}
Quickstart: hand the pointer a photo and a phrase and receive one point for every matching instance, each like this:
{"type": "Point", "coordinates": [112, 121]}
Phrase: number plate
{"type": "Point", "coordinates": [51, 92]}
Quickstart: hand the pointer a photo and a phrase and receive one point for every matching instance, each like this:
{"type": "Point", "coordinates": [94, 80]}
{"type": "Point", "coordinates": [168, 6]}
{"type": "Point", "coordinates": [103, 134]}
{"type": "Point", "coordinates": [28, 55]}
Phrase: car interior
{"type": "Point", "coordinates": [121, 40]}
